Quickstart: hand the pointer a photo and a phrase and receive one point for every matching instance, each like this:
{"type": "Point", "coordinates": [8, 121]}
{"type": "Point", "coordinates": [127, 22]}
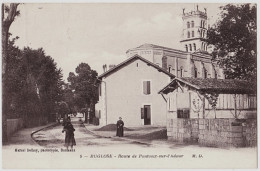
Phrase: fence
{"type": "Point", "coordinates": [13, 125]}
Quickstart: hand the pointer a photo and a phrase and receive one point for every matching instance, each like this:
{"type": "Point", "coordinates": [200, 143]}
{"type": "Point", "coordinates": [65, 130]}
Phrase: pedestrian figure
{"type": "Point", "coordinates": [120, 128]}
{"type": "Point", "coordinates": [69, 136]}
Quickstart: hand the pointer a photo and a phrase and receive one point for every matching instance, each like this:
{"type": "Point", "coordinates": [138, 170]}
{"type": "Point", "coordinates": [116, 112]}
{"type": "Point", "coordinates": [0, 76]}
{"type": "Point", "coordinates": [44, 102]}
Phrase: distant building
{"type": "Point", "coordinates": [194, 31]}
{"type": "Point", "coordinates": [130, 90]}
{"type": "Point", "coordinates": [194, 60]}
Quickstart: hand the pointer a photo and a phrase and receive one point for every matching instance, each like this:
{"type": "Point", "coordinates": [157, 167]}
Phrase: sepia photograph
{"type": "Point", "coordinates": [113, 85]}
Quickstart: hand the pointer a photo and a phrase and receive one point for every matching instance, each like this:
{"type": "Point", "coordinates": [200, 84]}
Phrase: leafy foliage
{"type": "Point", "coordinates": [234, 40]}
{"type": "Point", "coordinates": [33, 85]}
{"type": "Point", "coordinates": [83, 85]}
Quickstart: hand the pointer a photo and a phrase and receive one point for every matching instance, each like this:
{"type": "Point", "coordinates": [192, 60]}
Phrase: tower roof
{"type": "Point", "coordinates": [195, 13]}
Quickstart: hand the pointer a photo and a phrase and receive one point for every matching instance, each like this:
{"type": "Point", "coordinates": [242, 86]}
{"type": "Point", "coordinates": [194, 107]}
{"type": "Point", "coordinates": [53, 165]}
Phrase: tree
{"type": "Point", "coordinates": [9, 12]}
{"type": "Point", "coordinates": [33, 85]}
{"type": "Point", "coordinates": [43, 85]}
{"type": "Point", "coordinates": [83, 84]}
{"type": "Point", "coordinates": [234, 41]}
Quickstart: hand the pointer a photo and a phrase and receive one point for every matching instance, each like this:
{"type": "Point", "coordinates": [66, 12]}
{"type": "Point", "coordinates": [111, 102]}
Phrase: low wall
{"type": "Point", "coordinates": [13, 125]}
{"type": "Point", "coordinates": [183, 130]}
{"type": "Point", "coordinates": [220, 133]}
{"type": "Point", "coordinates": [214, 132]}
{"type": "Point", "coordinates": [250, 132]}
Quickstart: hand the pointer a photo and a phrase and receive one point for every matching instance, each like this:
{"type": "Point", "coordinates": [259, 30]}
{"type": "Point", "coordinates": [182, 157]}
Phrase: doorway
{"type": "Point", "coordinates": [147, 114]}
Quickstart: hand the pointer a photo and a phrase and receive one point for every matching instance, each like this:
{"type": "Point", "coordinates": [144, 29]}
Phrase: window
{"type": "Point", "coordinates": [186, 47]}
{"type": "Point", "coordinates": [169, 68]}
{"type": "Point", "coordinates": [188, 34]}
{"type": "Point", "coordinates": [188, 24]}
{"type": "Point", "coordinates": [192, 23]}
{"type": "Point", "coordinates": [205, 73]}
{"type": "Point", "coordinates": [183, 113]}
{"type": "Point", "coordinates": [146, 87]}
{"type": "Point", "coordinates": [195, 72]}
{"type": "Point", "coordinates": [194, 46]}
{"type": "Point", "coordinates": [192, 33]}
{"type": "Point", "coordinates": [190, 47]}
{"type": "Point", "coordinates": [181, 74]}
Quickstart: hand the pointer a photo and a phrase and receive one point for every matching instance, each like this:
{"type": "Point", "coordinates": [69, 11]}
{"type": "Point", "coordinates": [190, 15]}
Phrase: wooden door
{"type": "Point", "coordinates": [147, 115]}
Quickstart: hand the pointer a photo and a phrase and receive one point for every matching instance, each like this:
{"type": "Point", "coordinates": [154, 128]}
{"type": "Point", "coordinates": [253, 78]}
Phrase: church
{"type": "Point", "coordinates": [131, 89]}
{"type": "Point", "coordinates": [194, 60]}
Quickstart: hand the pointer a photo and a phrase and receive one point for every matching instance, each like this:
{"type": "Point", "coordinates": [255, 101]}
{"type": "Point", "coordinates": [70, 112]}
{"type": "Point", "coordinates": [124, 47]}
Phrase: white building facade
{"type": "Point", "coordinates": [130, 90]}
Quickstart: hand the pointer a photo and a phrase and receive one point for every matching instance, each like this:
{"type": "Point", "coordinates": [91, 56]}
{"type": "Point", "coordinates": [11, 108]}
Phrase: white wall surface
{"type": "Point", "coordinates": [125, 96]}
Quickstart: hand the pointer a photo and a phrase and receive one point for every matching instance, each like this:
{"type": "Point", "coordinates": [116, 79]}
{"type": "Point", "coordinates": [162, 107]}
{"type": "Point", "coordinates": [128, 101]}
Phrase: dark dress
{"type": "Point", "coordinates": [69, 137]}
{"type": "Point", "coordinates": [120, 128]}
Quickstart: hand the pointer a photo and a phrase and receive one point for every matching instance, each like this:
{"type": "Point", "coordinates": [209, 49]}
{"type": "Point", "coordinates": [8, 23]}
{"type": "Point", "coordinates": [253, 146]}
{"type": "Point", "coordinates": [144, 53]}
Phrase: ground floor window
{"type": "Point", "coordinates": [183, 113]}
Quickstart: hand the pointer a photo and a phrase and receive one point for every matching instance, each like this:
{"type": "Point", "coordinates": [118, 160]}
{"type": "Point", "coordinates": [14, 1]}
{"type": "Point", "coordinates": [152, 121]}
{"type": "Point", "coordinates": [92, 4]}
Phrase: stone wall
{"type": "Point", "coordinates": [183, 130]}
{"type": "Point", "coordinates": [220, 133]}
{"type": "Point", "coordinates": [14, 125]}
{"type": "Point", "coordinates": [214, 132]}
{"type": "Point", "coordinates": [250, 132]}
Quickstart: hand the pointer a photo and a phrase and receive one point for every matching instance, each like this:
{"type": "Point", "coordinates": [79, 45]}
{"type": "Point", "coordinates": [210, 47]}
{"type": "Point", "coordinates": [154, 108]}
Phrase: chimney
{"type": "Point", "coordinates": [111, 66]}
{"type": "Point", "coordinates": [105, 68]}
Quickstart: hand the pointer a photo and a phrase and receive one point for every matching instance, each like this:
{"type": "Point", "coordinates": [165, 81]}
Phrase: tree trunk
{"type": "Point", "coordinates": [6, 23]}
{"type": "Point", "coordinates": [5, 30]}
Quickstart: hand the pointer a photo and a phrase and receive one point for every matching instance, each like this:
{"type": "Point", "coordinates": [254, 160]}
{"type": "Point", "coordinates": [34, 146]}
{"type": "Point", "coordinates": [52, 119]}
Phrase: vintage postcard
{"type": "Point", "coordinates": [129, 85]}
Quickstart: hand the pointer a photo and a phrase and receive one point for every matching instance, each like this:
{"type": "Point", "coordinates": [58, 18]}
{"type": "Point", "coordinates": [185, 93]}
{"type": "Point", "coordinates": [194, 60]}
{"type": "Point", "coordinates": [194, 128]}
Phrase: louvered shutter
{"type": "Point", "coordinates": [148, 87]}
{"type": "Point", "coordinates": [142, 113]}
{"type": "Point", "coordinates": [145, 87]}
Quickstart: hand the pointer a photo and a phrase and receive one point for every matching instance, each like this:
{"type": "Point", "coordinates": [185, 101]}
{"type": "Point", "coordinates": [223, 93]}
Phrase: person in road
{"type": "Point", "coordinates": [69, 136]}
{"type": "Point", "coordinates": [120, 128]}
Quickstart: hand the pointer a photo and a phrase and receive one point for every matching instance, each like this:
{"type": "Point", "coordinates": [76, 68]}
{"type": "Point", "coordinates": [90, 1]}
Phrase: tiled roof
{"type": "Point", "coordinates": [121, 65]}
{"type": "Point", "coordinates": [152, 46]}
{"type": "Point", "coordinates": [225, 86]}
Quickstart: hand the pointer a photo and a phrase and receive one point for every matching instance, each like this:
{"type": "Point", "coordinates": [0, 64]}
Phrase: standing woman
{"type": "Point", "coordinates": [69, 137]}
{"type": "Point", "coordinates": [120, 128]}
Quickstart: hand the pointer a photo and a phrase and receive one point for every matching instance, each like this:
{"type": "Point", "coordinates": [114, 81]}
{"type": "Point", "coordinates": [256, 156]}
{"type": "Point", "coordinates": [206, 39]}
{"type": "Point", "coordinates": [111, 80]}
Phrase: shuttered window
{"type": "Point", "coordinates": [147, 87]}
{"type": "Point", "coordinates": [142, 113]}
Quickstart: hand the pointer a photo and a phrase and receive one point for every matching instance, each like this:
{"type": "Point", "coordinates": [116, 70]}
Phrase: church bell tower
{"type": "Point", "coordinates": [194, 30]}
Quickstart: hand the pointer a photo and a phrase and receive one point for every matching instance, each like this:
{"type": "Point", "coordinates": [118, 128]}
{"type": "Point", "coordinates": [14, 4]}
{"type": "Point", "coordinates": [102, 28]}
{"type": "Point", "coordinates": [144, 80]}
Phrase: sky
{"type": "Point", "coordinates": [100, 33]}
